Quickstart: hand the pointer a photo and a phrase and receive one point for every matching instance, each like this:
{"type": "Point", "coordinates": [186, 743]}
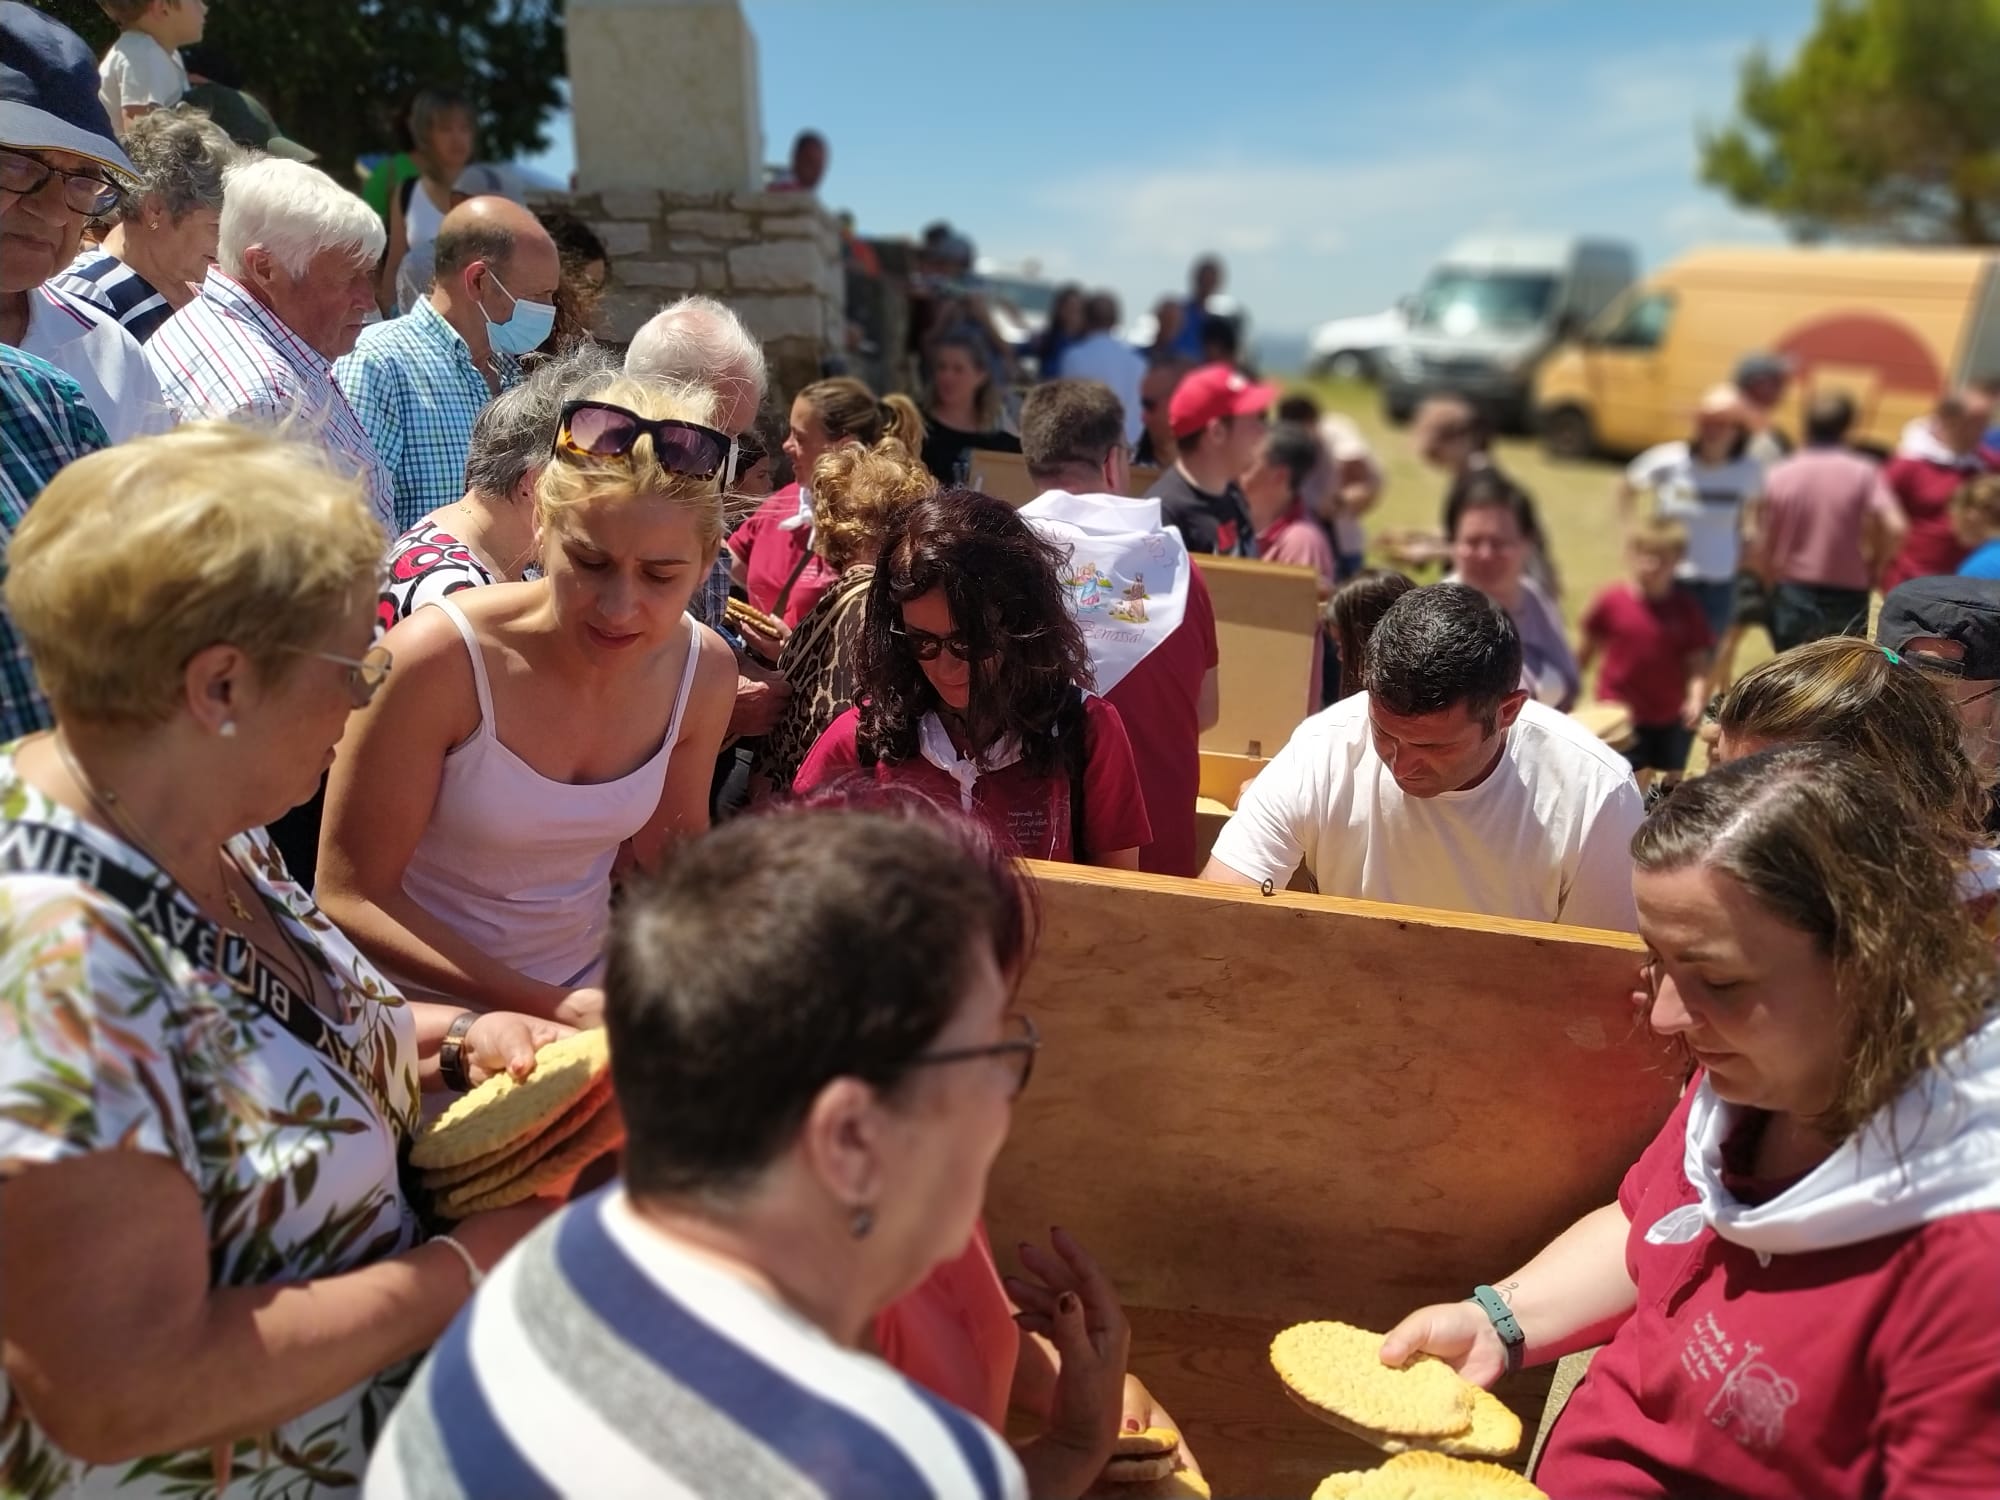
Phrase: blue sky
{"type": "Point", "coordinates": [1327, 150]}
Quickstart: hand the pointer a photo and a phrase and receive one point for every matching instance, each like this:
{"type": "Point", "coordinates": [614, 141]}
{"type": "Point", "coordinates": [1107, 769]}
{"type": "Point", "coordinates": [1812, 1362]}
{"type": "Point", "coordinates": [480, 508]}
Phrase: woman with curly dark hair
{"type": "Point", "coordinates": [972, 688]}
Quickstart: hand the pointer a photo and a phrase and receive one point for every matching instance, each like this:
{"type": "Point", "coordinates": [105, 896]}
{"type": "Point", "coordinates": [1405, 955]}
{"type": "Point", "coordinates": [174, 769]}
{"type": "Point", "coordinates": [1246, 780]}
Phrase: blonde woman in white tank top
{"type": "Point", "coordinates": [530, 732]}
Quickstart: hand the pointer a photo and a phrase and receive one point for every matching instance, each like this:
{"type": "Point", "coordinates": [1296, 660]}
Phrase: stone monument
{"type": "Point", "coordinates": [669, 172]}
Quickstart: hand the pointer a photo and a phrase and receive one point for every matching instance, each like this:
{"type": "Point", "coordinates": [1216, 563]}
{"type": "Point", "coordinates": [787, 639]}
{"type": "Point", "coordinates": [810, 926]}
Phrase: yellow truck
{"type": "Point", "coordinates": [1892, 328]}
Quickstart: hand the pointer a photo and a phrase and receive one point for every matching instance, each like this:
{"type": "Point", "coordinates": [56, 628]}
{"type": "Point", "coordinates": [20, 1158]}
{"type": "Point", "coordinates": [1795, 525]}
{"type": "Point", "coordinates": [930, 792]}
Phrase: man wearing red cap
{"type": "Point", "coordinates": [1219, 416]}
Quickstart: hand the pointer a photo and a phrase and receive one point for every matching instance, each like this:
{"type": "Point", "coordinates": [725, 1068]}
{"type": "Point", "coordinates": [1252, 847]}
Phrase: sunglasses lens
{"type": "Point", "coordinates": [601, 431]}
{"type": "Point", "coordinates": [691, 451]}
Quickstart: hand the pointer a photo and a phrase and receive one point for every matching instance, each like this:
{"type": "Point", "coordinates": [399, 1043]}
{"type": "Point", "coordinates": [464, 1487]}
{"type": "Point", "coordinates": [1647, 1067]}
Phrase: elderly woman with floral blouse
{"type": "Point", "coordinates": [212, 1273]}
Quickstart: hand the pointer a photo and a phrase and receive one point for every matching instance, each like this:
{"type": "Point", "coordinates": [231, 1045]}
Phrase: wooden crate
{"type": "Point", "coordinates": [1256, 1110]}
{"type": "Point", "coordinates": [1266, 619]}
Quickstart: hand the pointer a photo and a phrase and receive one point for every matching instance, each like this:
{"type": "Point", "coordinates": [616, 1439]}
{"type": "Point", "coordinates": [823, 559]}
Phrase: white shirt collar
{"type": "Point", "coordinates": [1100, 513]}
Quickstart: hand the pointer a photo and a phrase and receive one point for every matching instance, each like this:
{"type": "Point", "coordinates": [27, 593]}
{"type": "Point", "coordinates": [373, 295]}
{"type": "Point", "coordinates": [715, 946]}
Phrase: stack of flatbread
{"type": "Point", "coordinates": [1143, 1467]}
{"type": "Point", "coordinates": [506, 1141]}
{"type": "Point", "coordinates": [1426, 1413]}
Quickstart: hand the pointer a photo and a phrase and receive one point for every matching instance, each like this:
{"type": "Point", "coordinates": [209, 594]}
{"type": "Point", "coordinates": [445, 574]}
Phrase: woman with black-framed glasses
{"type": "Point", "coordinates": [973, 687]}
{"type": "Point", "coordinates": [534, 732]}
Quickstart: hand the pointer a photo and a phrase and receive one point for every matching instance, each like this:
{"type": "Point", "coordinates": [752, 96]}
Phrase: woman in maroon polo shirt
{"type": "Point", "coordinates": [1799, 1281]}
{"type": "Point", "coordinates": [973, 690]}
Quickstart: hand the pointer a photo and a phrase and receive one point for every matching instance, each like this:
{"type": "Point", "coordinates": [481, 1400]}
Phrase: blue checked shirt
{"type": "Point", "coordinates": [227, 355]}
{"type": "Point", "coordinates": [44, 423]}
{"type": "Point", "coordinates": [415, 388]}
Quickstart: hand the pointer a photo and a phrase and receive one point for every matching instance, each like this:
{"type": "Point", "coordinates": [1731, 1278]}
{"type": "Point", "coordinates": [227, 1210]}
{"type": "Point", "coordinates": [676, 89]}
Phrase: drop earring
{"type": "Point", "coordinates": [862, 1224]}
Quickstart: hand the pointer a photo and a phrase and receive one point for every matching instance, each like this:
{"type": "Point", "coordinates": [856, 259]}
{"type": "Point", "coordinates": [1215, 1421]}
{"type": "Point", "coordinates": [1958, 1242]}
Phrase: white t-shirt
{"type": "Point", "coordinates": [138, 71]}
{"type": "Point", "coordinates": [93, 349]}
{"type": "Point", "coordinates": [1707, 500]}
{"type": "Point", "coordinates": [1118, 365]}
{"type": "Point", "coordinates": [1546, 838]}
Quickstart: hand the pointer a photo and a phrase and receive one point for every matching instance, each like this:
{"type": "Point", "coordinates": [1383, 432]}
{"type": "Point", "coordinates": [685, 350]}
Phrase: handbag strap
{"type": "Point", "coordinates": [29, 847]}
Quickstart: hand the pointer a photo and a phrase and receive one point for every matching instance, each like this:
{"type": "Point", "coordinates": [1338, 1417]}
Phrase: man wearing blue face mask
{"type": "Point", "coordinates": [418, 382]}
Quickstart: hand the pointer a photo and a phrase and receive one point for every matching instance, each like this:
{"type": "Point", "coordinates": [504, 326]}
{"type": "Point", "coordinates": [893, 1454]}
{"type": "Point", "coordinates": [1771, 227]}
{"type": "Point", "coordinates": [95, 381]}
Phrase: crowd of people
{"type": "Point", "coordinates": [371, 684]}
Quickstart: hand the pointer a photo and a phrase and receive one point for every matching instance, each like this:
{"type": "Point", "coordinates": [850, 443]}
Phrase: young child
{"type": "Point", "coordinates": [1975, 517]}
{"type": "Point", "coordinates": [1656, 646]}
{"type": "Point", "coordinates": [143, 70]}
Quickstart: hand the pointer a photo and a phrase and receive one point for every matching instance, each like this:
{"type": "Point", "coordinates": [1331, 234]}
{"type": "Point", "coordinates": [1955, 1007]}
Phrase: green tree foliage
{"type": "Point", "coordinates": [337, 73]}
{"type": "Point", "coordinates": [1886, 125]}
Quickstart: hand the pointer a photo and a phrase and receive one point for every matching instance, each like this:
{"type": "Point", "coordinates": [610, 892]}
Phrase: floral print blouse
{"type": "Point", "coordinates": [110, 1040]}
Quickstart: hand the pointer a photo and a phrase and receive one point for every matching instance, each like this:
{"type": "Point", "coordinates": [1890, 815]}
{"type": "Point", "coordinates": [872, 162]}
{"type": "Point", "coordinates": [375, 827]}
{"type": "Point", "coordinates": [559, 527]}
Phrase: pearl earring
{"type": "Point", "coordinates": [228, 729]}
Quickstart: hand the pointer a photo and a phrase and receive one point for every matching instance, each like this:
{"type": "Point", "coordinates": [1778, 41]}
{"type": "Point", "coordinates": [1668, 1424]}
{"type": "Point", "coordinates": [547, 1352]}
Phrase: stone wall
{"type": "Point", "coordinates": [773, 257]}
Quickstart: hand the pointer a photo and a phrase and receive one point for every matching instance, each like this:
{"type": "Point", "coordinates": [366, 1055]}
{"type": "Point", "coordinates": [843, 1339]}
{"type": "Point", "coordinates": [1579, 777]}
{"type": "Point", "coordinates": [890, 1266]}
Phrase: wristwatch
{"type": "Point", "coordinates": [1505, 1324]}
{"type": "Point", "coordinates": [451, 1056]}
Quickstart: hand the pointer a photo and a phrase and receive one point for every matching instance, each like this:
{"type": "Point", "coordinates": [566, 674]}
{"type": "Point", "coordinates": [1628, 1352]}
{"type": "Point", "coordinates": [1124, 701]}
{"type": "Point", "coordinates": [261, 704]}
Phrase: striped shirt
{"type": "Point", "coordinates": [104, 281]}
{"type": "Point", "coordinates": [86, 344]}
{"type": "Point", "coordinates": [412, 382]}
{"type": "Point", "coordinates": [44, 423]}
{"type": "Point", "coordinates": [600, 1359]}
{"type": "Point", "coordinates": [227, 355]}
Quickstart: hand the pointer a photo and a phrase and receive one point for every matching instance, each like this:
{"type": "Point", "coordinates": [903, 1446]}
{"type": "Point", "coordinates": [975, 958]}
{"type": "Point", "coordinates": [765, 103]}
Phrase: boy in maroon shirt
{"type": "Point", "coordinates": [1656, 647]}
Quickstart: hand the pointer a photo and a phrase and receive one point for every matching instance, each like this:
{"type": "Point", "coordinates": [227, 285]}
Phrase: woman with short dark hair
{"type": "Point", "coordinates": [444, 130]}
{"type": "Point", "coordinates": [972, 688]}
{"type": "Point", "coordinates": [1799, 1280]}
{"type": "Point", "coordinates": [814, 1044]}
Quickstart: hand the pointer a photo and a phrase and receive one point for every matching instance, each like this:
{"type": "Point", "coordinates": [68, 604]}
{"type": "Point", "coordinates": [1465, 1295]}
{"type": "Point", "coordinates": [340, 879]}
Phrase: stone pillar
{"type": "Point", "coordinates": [664, 96]}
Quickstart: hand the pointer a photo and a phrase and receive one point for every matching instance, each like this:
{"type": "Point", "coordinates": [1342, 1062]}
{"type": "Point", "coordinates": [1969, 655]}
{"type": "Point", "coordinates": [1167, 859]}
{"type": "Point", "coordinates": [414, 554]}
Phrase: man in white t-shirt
{"type": "Point", "coordinates": [1444, 786]}
{"type": "Point", "coordinates": [1102, 356]}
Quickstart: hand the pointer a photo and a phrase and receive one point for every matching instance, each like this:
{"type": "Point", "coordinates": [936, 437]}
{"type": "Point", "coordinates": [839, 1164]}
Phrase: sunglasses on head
{"type": "Point", "coordinates": [597, 429]}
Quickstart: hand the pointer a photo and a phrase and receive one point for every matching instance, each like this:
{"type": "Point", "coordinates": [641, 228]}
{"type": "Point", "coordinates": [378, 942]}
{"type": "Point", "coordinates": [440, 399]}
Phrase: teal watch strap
{"type": "Point", "coordinates": [1504, 1323]}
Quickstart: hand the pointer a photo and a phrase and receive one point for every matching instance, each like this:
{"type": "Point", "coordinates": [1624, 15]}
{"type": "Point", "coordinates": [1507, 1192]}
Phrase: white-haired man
{"type": "Point", "coordinates": [698, 341]}
{"type": "Point", "coordinates": [293, 284]}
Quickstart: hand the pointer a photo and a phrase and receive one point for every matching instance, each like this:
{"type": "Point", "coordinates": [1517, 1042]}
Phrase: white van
{"type": "Point", "coordinates": [1491, 309]}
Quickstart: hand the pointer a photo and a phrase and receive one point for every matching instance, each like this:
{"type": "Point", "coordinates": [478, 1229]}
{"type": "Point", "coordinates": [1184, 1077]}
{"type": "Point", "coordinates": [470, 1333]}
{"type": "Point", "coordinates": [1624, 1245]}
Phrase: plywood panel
{"type": "Point", "coordinates": [1261, 1109]}
{"type": "Point", "coordinates": [1266, 618]}
{"type": "Point", "coordinates": [1005, 477]}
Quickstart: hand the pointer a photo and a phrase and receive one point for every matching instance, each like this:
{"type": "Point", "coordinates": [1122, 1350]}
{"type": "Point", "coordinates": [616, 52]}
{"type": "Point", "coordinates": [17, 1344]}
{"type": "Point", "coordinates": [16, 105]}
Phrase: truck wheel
{"type": "Point", "coordinates": [1566, 433]}
{"type": "Point", "coordinates": [1348, 364]}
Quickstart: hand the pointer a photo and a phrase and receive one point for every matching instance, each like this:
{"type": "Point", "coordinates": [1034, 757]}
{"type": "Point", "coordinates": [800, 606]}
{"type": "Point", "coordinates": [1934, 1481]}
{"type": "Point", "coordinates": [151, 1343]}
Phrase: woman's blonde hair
{"type": "Point", "coordinates": [1829, 845]}
{"type": "Point", "coordinates": [848, 409]}
{"type": "Point", "coordinates": [1844, 691]}
{"type": "Point", "coordinates": [856, 492]}
{"type": "Point", "coordinates": [139, 556]}
{"type": "Point", "coordinates": [568, 481]}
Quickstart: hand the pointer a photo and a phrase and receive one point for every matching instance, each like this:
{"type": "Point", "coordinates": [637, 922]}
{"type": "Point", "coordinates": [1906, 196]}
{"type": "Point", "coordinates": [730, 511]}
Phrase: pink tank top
{"type": "Point", "coordinates": [521, 865]}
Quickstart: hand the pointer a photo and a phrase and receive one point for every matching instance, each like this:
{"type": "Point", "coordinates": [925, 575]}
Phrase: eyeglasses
{"type": "Point", "coordinates": [364, 677]}
{"type": "Point", "coordinates": [597, 429]}
{"type": "Point", "coordinates": [1026, 1042]}
{"type": "Point", "coordinates": [83, 192]}
{"type": "Point", "coordinates": [927, 647]}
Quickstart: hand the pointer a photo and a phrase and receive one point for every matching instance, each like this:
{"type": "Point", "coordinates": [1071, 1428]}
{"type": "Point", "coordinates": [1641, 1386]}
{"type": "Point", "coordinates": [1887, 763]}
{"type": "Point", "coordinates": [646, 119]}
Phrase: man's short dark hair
{"type": "Point", "coordinates": [1069, 423]}
{"type": "Point", "coordinates": [1100, 312]}
{"type": "Point", "coordinates": [779, 953]}
{"type": "Point", "coordinates": [1221, 342]}
{"type": "Point", "coordinates": [459, 245]}
{"type": "Point", "coordinates": [1828, 417]}
{"type": "Point", "coordinates": [1298, 407]}
{"type": "Point", "coordinates": [1441, 646]}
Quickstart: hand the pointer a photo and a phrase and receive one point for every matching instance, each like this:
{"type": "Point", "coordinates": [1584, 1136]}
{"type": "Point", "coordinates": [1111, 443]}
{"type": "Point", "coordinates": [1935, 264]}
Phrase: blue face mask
{"type": "Point", "coordinates": [526, 327]}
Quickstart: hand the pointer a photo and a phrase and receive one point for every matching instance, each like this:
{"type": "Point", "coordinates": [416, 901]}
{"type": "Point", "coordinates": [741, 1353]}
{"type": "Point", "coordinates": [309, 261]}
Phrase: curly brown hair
{"type": "Point", "coordinates": [1826, 843]}
{"type": "Point", "coordinates": [856, 491]}
{"type": "Point", "coordinates": [1001, 579]}
{"type": "Point", "coordinates": [1844, 691]}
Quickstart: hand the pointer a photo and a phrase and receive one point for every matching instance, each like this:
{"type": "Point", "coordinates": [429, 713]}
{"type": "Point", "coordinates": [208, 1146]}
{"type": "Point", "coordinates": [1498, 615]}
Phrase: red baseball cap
{"type": "Point", "coordinates": [1213, 392]}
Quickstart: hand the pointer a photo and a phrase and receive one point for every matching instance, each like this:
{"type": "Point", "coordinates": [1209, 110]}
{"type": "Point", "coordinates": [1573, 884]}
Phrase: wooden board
{"type": "Point", "coordinates": [1255, 1110]}
{"type": "Point", "coordinates": [1222, 781]}
{"type": "Point", "coordinates": [1005, 476]}
{"type": "Point", "coordinates": [1266, 618]}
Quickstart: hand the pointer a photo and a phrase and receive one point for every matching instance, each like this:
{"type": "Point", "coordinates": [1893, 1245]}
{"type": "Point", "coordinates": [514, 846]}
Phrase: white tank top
{"type": "Point", "coordinates": [421, 219]}
{"type": "Point", "coordinates": [520, 865]}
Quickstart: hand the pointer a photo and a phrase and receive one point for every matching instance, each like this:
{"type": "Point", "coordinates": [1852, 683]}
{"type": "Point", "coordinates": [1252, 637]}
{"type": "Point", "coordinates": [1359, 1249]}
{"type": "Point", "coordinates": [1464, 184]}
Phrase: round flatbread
{"type": "Point", "coordinates": [496, 1167]}
{"type": "Point", "coordinates": [1140, 1469]}
{"type": "Point", "coordinates": [1495, 1432]}
{"type": "Point", "coordinates": [1335, 1371]}
{"type": "Point", "coordinates": [1146, 1442]}
{"type": "Point", "coordinates": [501, 1112]}
{"type": "Point", "coordinates": [605, 1132]}
{"type": "Point", "coordinates": [1429, 1476]}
